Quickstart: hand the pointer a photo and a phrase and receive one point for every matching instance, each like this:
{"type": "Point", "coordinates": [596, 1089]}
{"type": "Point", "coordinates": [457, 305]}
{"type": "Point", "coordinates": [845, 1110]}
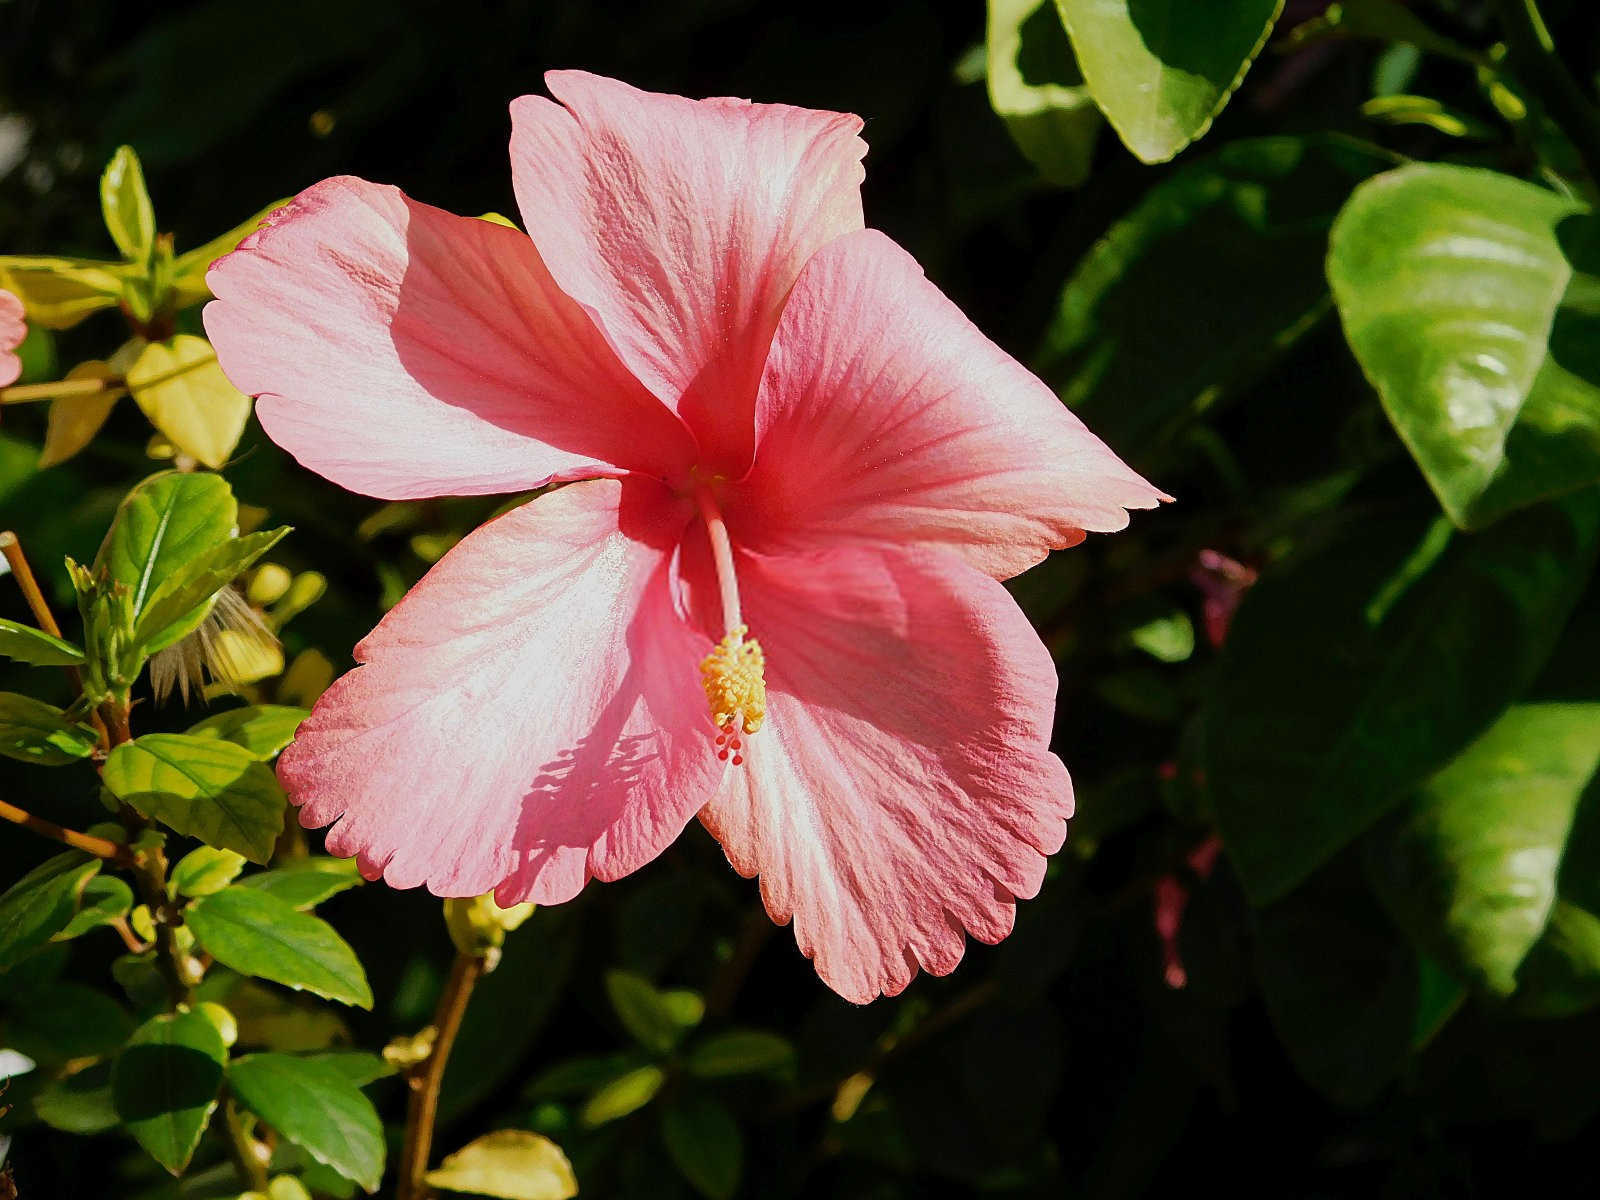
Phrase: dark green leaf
{"type": "Point", "coordinates": [657, 1019]}
{"type": "Point", "coordinates": [584, 1074]}
{"type": "Point", "coordinates": [258, 934]}
{"type": "Point", "coordinates": [1561, 974]}
{"type": "Point", "coordinates": [32, 731]}
{"type": "Point", "coordinates": [705, 1144]}
{"type": "Point", "coordinates": [262, 729]}
{"type": "Point", "coordinates": [79, 1103]}
{"type": "Point", "coordinates": [166, 615]}
{"type": "Point", "coordinates": [1036, 87]}
{"type": "Point", "coordinates": [62, 1021]}
{"type": "Point", "coordinates": [27, 644]}
{"type": "Point", "coordinates": [42, 903]}
{"type": "Point", "coordinates": [305, 882]}
{"type": "Point", "coordinates": [739, 1052]}
{"type": "Point", "coordinates": [315, 1105]}
{"type": "Point", "coordinates": [1470, 866]}
{"type": "Point", "coordinates": [1469, 298]}
{"type": "Point", "coordinates": [1258, 209]}
{"type": "Point", "coordinates": [165, 1082]}
{"type": "Point", "coordinates": [204, 787]}
{"type": "Point", "coordinates": [1358, 668]}
{"type": "Point", "coordinates": [1161, 70]}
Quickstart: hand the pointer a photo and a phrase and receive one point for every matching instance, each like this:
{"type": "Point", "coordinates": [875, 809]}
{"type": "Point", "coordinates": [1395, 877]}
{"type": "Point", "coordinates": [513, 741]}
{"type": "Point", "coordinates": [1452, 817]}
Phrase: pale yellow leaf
{"type": "Point", "coordinates": [186, 396]}
{"type": "Point", "coordinates": [74, 420]}
{"type": "Point", "coordinates": [511, 1164]}
{"type": "Point", "coordinates": [60, 292]}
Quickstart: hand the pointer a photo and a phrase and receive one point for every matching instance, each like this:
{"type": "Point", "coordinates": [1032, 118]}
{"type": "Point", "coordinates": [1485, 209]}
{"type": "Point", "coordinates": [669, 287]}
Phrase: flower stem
{"type": "Point", "coordinates": [1538, 65]}
{"type": "Point", "coordinates": [60, 390]}
{"type": "Point", "coordinates": [423, 1108]}
{"type": "Point", "coordinates": [98, 846]}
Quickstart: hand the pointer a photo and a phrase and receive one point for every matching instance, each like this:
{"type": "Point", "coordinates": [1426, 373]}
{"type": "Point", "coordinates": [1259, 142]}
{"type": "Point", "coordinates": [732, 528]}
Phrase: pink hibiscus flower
{"type": "Point", "coordinates": [13, 328]}
{"type": "Point", "coordinates": [772, 601]}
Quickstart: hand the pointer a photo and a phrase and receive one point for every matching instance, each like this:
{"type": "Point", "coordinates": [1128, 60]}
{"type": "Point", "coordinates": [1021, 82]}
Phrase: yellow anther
{"type": "Point", "coordinates": [736, 688]}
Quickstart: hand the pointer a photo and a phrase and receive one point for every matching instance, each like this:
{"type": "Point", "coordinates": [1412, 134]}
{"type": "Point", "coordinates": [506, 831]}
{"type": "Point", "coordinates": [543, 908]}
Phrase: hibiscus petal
{"type": "Point", "coordinates": [528, 716]}
{"type": "Point", "coordinates": [681, 225]}
{"type": "Point", "coordinates": [884, 413]}
{"type": "Point", "coordinates": [403, 351]}
{"type": "Point", "coordinates": [13, 328]}
{"type": "Point", "coordinates": [901, 790]}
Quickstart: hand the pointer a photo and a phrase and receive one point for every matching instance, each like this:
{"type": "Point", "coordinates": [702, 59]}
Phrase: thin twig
{"type": "Point", "coordinates": [11, 547]}
{"type": "Point", "coordinates": [98, 846]}
{"type": "Point", "coordinates": [61, 390]}
{"type": "Point", "coordinates": [243, 1148]}
{"type": "Point", "coordinates": [423, 1108]}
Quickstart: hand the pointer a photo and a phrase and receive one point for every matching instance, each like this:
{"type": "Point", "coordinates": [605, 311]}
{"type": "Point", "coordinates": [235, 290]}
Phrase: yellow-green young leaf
{"type": "Point", "coordinates": [164, 1085]}
{"type": "Point", "coordinates": [258, 934]}
{"type": "Point", "coordinates": [189, 268]}
{"type": "Point", "coordinates": [125, 204]}
{"type": "Point", "coordinates": [262, 729]}
{"type": "Point", "coordinates": [59, 292]}
{"type": "Point", "coordinates": [183, 391]}
{"type": "Point", "coordinates": [166, 522]}
{"type": "Point", "coordinates": [316, 1107]}
{"type": "Point", "coordinates": [1161, 70]}
{"type": "Point", "coordinates": [27, 644]}
{"type": "Point", "coordinates": [1467, 296]}
{"type": "Point", "coordinates": [511, 1164]}
{"type": "Point", "coordinates": [495, 218]}
{"type": "Point", "coordinates": [1036, 88]}
{"type": "Point", "coordinates": [204, 871]}
{"type": "Point", "coordinates": [42, 903]}
{"type": "Point", "coordinates": [739, 1052]}
{"type": "Point", "coordinates": [32, 731]}
{"type": "Point", "coordinates": [206, 788]}
{"type": "Point", "coordinates": [622, 1096]}
{"type": "Point", "coordinates": [705, 1144]}
{"type": "Point", "coordinates": [74, 420]}
{"type": "Point", "coordinates": [305, 882]}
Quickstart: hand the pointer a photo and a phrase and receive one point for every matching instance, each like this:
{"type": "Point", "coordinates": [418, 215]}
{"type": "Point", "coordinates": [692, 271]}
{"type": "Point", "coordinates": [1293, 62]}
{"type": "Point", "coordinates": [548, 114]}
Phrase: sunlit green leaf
{"type": "Point", "coordinates": [210, 789]}
{"type": "Point", "coordinates": [166, 614]}
{"type": "Point", "coordinates": [42, 903]}
{"type": "Point", "coordinates": [205, 871]}
{"type": "Point", "coordinates": [165, 523]}
{"type": "Point", "coordinates": [262, 729]}
{"type": "Point", "coordinates": [316, 1106]}
{"type": "Point", "coordinates": [623, 1095]}
{"type": "Point", "coordinates": [1036, 87]}
{"type": "Point", "coordinates": [105, 899]}
{"type": "Point", "coordinates": [27, 644]}
{"type": "Point", "coordinates": [32, 731]}
{"type": "Point", "coordinates": [1470, 299]}
{"type": "Point", "coordinates": [125, 204]}
{"type": "Point", "coordinates": [258, 934]}
{"type": "Point", "coordinates": [57, 293]}
{"type": "Point", "coordinates": [1161, 70]}
{"type": "Point", "coordinates": [165, 1083]}
{"type": "Point", "coordinates": [305, 882]}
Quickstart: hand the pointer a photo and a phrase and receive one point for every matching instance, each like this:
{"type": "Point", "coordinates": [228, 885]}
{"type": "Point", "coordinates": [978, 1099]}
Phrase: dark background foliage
{"type": "Point", "coordinates": [1061, 1062]}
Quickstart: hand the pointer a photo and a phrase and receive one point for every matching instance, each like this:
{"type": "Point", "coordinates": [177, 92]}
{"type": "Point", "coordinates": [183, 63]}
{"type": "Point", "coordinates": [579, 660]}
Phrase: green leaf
{"type": "Point", "coordinates": [1470, 299]}
{"type": "Point", "coordinates": [206, 788]}
{"type": "Point", "coordinates": [257, 934]}
{"type": "Point", "coordinates": [739, 1052]}
{"type": "Point", "coordinates": [1036, 88]}
{"type": "Point", "coordinates": [317, 1107]}
{"type": "Point", "coordinates": [165, 523]}
{"type": "Point", "coordinates": [1168, 639]}
{"type": "Point", "coordinates": [105, 899]}
{"type": "Point", "coordinates": [511, 1164]}
{"type": "Point", "coordinates": [705, 1144]}
{"type": "Point", "coordinates": [623, 1095]}
{"type": "Point", "coordinates": [305, 882]}
{"type": "Point", "coordinates": [262, 729]}
{"type": "Point", "coordinates": [1560, 976]}
{"type": "Point", "coordinates": [125, 204]}
{"type": "Point", "coordinates": [657, 1019]}
{"type": "Point", "coordinates": [1357, 668]}
{"type": "Point", "coordinates": [1257, 209]}
{"type": "Point", "coordinates": [584, 1074]}
{"type": "Point", "coordinates": [165, 1083]}
{"type": "Point", "coordinates": [205, 871]}
{"type": "Point", "coordinates": [1161, 70]}
{"type": "Point", "coordinates": [32, 731]}
{"type": "Point", "coordinates": [357, 1066]}
{"type": "Point", "coordinates": [27, 644]}
{"type": "Point", "coordinates": [167, 615]}
{"type": "Point", "coordinates": [42, 903]}
{"type": "Point", "coordinates": [183, 391]}
{"type": "Point", "coordinates": [78, 1103]}
{"type": "Point", "coordinates": [1470, 866]}
{"type": "Point", "coordinates": [59, 292]}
